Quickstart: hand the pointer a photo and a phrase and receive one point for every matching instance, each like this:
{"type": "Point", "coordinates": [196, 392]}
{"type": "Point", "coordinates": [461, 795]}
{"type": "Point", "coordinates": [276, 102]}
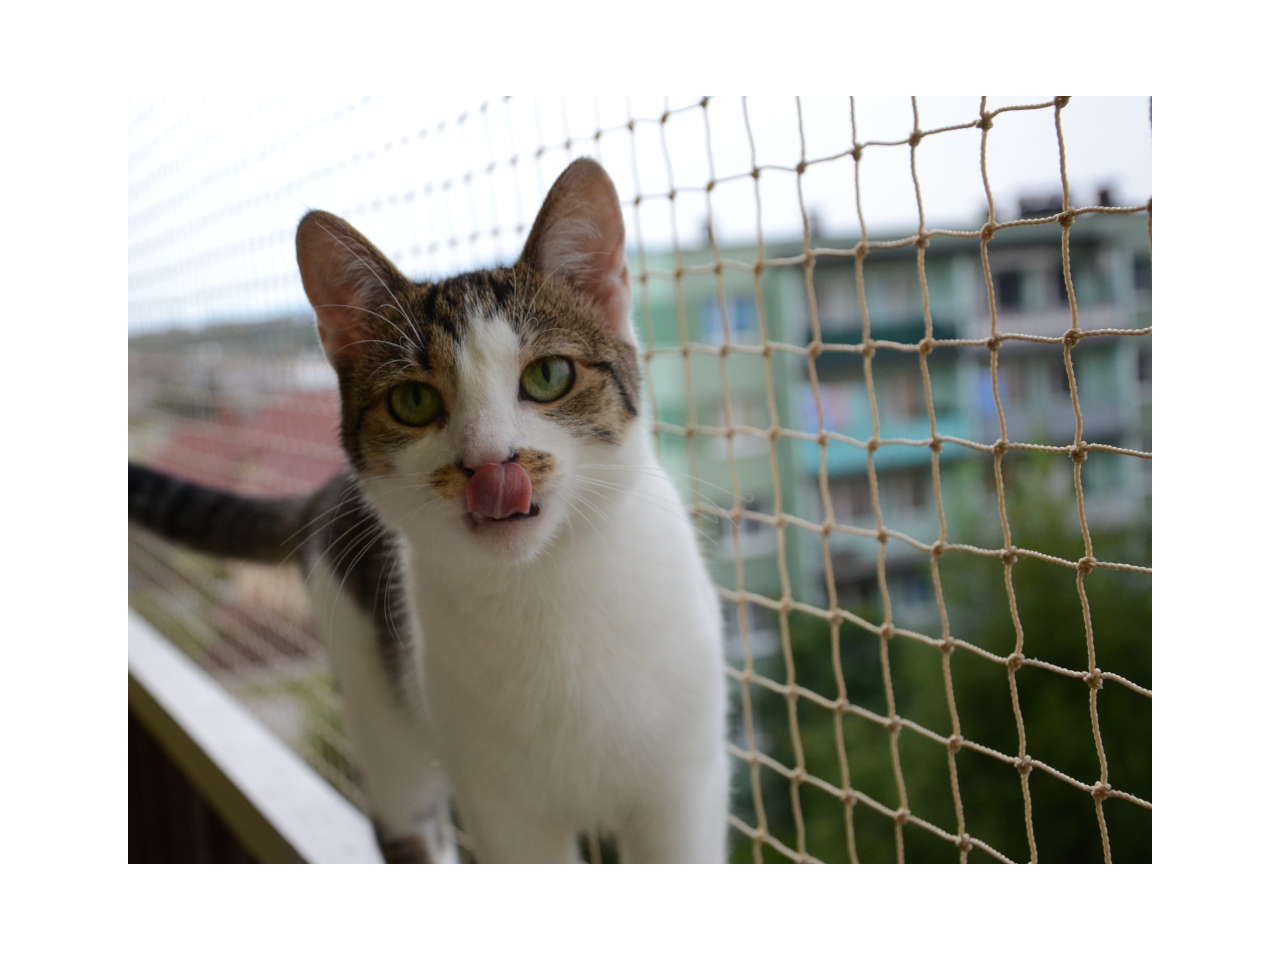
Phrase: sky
{"type": "Point", "coordinates": [216, 187]}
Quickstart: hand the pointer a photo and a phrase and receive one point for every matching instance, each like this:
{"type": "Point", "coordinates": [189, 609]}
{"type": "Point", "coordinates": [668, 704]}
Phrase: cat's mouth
{"type": "Point", "coordinates": [477, 520]}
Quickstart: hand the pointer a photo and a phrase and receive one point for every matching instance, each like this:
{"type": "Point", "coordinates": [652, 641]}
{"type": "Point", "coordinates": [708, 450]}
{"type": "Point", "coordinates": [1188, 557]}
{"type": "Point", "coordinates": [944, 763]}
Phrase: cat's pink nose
{"type": "Point", "coordinates": [499, 490]}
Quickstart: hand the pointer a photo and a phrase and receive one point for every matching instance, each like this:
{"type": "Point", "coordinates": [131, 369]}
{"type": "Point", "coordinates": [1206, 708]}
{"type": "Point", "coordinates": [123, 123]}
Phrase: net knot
{"type": "Point", "coordinates": [1086, 565]}
{"type": "Point", "coordinates": [690, 431]}
{"type": "Point", "coordinates": [964, 843]}
{"type": "Point", "coordinates": [882, 536]}
{"type": "Point", "coordinates": [915, 138]}
{"type": "Point", "coordinates": [985, 122]}
{"type": "Point", "coordinates": [755, 173]}
{"type": "Point", "coordinates": [1071, 337]}
{"type": "Point", "coordinates": [711, 185]}
{"type": "Point", "coordinates": [836, 620]}
{"type": "Point", "coordinates": [724, 349]}
{"type": "Point", "coordinates": [827, 528]}
{"type": "Point", "coordinates": [1061, 102]}
{"type": "Point", "coordinates": [955, 742]}
{"type": "Point", "coordinates": [1000, 448]}
{"type": "Point", "coordinates": [886, 633]}
{"type": "Point", "coordinates": [902, 816]}
{"type": "Point", "coordinates": [1014, 662]}
{"type": "Point", "coordinates": [993, 343]}
{"type": "Point", "coordinates": [815, 348]}
{"type": "Point", "coordinates": [801, 167]}
{"type": "Point", "coordinates": [1100, 790]}
{"type": "Point", "coordinates": [1009, 555]}
{"type": "Point", "coordinates": [938, 549]}
{"type": "Point", "coordinates": [1079, 452]}
{"type": "Point", "coordinates": [786, 606]}
{"type": "Point", "coordinates": [922, 242]}
{"type": "Point", "coordinates": [857, 152]}
{"type": "Point", "coordinates": [1067, 217]}
{"type": "Point", "coordinates": [926, 346]}
{"type": "Point", "coordinates": [988, 229]}
{"type": "Point", "coordinates": [1094, 679]}
{"type": "Point", "coordinates": [861, 249]}
{"type": "Point", "coordinates": [758, 268]}
{"type": "Point", "coordinates": [1023, 766]}
{"type": "Point", "coordinates": [936, 445]}
{"type": "Point", "coordinates": [873, 445]}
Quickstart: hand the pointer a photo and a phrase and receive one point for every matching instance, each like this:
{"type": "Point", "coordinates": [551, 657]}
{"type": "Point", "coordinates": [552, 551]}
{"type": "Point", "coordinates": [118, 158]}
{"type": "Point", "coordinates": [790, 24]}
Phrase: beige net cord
{"type": "Point", "coordinates": [787, 779]}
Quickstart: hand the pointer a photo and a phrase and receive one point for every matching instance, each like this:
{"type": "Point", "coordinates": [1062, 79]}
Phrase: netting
{"type": "Point", "coordinates": [894, 443]}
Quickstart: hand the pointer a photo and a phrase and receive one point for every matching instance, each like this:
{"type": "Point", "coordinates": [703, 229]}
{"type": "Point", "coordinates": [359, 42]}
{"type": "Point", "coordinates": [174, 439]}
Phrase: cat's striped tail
{"type": "Point", "coordinates": [213, 521]}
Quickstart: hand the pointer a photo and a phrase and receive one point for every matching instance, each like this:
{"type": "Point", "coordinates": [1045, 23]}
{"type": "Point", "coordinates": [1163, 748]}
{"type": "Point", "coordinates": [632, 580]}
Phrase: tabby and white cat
{"type": "Point", "coordinates": [510, 590]}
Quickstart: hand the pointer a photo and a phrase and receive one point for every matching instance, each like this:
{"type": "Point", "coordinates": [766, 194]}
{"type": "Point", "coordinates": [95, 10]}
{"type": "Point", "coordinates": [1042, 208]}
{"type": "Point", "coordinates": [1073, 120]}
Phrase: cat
{"type": "Point", "coordinates": [510, 590]}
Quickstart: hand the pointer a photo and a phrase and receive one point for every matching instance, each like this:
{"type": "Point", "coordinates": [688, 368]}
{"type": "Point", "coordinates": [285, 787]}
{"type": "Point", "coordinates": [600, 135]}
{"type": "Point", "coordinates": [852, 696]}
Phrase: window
{"type": "Point", "coordinates": [893, 294]}
{"type": "Point", "coordinates": [911, 489]}
{"type": "Point", "coordinates": [1059, 384]}
{"type": "Point", "coordinates": [1142, 274]}
{"type": "Point", "coordinates": [839, 402]}
{"type": "Point", "coordinates": [902, 396]}
{"type": "Point", "coordinates": [850, 499]}
{"type": "Point", "coordinates": [1060, 282]}
{"type": "Point", "coordinates": [748, 411]}
{"type": "Point", "coordinates": [762, 630]}
{"type": "Point", "coordinates": [739, 312]}
{"type": "Point", "coordinates": [1013, 382]}
{"type": "Point", "coordinates": [756, 538]}
{"type": "Point", "coordinates": [1008, 289]}
{"type": "Point", "coordinates": [837, 296]}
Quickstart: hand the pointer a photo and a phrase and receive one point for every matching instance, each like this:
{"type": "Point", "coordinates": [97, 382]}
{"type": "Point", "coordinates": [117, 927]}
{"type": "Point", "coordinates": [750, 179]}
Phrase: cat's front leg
{"type": "Point", "coordinates": [682, 817]}
{"type": "Point", "coordinates": [502, 830]}
{"type": "Point", "coordinates": [392, 747]}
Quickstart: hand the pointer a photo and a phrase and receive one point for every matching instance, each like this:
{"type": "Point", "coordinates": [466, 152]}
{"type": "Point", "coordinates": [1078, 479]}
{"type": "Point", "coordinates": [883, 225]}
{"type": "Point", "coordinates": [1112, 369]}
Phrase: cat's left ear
{"type": "Point", "coordinates": [579, 235]}
{"type": "Point", "coordinates": [347, 280]}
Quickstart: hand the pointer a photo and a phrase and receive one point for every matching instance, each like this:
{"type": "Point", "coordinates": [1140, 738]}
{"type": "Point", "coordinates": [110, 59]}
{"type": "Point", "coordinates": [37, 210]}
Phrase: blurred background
{"type": "Point", "coordinates": [899, 432]}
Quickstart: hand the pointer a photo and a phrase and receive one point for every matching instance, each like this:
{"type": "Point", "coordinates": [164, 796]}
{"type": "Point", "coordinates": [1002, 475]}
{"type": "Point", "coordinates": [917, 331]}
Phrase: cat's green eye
{"type": "Point", "coordinates": [547, 379]}
{"type": "Point", "coordinates": [414, 404]}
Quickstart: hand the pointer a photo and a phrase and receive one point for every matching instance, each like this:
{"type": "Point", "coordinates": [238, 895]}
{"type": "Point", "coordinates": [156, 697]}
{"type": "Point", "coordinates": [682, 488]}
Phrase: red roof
{"type": "Point", "coordinates": [288, 447]}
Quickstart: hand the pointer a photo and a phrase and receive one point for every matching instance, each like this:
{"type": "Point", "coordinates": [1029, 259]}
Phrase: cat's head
{"type": "Point", "coordinates": [484, 412]}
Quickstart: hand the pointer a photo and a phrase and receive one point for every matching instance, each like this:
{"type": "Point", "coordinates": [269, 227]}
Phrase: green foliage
{"type": "Point", "coordinates": [1055, 709]}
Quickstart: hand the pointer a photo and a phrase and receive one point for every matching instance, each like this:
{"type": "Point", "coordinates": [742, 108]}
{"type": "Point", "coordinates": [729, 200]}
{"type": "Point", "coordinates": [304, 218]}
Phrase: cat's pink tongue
{"type": "Point", "coordinates": [498, 490]}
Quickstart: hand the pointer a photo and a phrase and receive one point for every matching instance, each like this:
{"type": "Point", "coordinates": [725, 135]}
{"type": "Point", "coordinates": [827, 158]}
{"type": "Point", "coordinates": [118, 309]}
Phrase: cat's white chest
{"type": "Point", "coordinates": [580, 680]}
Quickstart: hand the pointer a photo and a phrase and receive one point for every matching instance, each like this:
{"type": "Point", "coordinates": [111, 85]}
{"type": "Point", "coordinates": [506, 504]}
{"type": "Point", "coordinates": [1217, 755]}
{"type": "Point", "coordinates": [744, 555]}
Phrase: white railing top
{"type": "Point", "coordinates": [278, 807]}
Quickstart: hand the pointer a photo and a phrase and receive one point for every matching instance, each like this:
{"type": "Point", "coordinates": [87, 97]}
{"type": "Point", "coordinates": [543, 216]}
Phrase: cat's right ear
{"type": "Point", "coordinates": [347, 280]}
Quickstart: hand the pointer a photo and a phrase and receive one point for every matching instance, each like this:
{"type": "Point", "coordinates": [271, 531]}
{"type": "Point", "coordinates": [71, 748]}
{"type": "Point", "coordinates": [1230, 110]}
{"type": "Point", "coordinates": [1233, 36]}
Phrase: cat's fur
{"type": "Point", "coordinates": [556, 673]}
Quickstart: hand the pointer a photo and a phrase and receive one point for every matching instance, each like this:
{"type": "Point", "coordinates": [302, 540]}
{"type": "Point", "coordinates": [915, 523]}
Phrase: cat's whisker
{"type": "Point", "coordinates": [663, 472]}
{"type": "Point", "coordinates": [666, 507]}
{"type": "Point", "coordinates": [570, 504]}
